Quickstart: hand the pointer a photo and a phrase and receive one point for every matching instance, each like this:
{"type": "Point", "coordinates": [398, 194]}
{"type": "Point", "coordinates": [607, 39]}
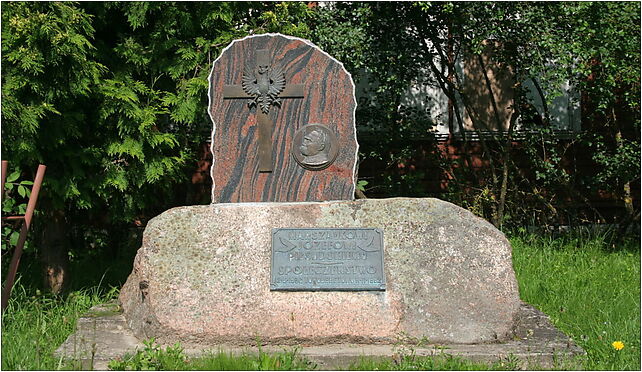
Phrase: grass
{"type": "Point", "coordinates": [35, 324]}
{"type": "Point", "coordinates": [589, 288]}
{"type": "Point", "coordinates": [443, 362]}
{"type": "Point", "coordinates": [591, 291]}
{"type": "Point", "coordinates": [153, 357]}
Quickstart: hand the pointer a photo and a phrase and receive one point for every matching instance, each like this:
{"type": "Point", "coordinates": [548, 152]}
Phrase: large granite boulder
{"type": "Point", "coordinates": [202, 276]}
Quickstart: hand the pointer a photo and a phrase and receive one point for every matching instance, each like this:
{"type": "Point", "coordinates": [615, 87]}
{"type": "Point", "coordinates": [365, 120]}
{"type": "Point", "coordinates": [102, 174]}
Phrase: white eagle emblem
{"type": "Point", "coordinates": [264, 83]}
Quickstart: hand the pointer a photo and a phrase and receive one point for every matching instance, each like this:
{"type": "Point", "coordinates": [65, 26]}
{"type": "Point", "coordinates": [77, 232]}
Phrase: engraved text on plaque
{"type": "Point", "coordinates": [345, 259]}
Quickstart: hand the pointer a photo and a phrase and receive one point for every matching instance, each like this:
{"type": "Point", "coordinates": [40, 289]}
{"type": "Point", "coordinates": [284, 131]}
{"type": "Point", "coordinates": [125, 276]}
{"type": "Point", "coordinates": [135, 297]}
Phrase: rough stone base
{"type": "Point", "coordinates": [102, 335]}
{"type": "Point", "coordinates": [203, 275]}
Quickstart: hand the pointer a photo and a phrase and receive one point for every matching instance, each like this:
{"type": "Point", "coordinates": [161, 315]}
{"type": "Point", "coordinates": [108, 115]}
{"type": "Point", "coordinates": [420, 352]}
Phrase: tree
{"type": "Point", "coordinates": [47, 75]}
{"type": "Point", "coordinates": [113, 97]}
{"type": "Point", "coordinates": [397, 45]}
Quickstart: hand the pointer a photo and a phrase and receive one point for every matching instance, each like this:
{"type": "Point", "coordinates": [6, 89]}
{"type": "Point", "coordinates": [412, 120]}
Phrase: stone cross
{"type": "Point", "coordinates": [268, 146]}
{"type": "Point", "coordinates": [265, 124]}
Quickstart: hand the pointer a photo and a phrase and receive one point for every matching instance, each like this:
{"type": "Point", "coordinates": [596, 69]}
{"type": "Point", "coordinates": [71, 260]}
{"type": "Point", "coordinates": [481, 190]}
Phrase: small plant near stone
{"type": "Point", "coordinates": [510, 362]}
{"type": "Point", "coordinates": [405, 348]}
{"type": "Point", "coordinates": [361, 185]}
{"type": "Point", "coordinates": [156, 358]}
{"type": "Point", "coordinates": [151, 357]}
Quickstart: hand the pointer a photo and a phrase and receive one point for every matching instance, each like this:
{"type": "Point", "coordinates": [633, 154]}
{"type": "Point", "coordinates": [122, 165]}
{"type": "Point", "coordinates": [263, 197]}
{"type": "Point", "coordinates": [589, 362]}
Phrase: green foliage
{"type": "Point", "coordinates": [389, 47]}
{"type": "Point", "coordinates": [338, 30]}
{"type": "Point", "coordinates": [14, 203]}
{"type": "Point", "coordinates": [47, 71]}
{"type": "Point", "coordinates": [112, 97]}
{"type": "Point", "coordinates": [607, 39]}
{"type": "Point", "coordinates": [590, 289]}
{"type": "Point", "coordinates": [618, 164]}
{"type": "Point", "coordinates": [289, 18]}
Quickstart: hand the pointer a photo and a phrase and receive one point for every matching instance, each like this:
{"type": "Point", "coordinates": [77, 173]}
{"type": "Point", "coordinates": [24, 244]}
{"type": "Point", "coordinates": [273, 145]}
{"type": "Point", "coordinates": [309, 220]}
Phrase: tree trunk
{"type": "Point", "coordinates": [396, 144]}
{"type": "Point", "coordinates": [547, 115]}
{"type": "Point", "coordinates": [53, 252]}
{"type": "Point", "coordinates": [506, 158]}
{"type": "Point", "coordinates": [625, 192]}
{"type": "Point", "coordinates": [498, 216]}
{"type": "Point", "coordinates": [448, 87]}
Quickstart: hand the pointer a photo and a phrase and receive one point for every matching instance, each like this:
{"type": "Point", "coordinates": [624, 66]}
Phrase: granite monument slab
{"type": "Point", "coordinates": [284, 125]}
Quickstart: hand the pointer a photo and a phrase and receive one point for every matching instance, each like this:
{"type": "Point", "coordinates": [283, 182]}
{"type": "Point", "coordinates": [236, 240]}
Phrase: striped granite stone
{"type": "Point", "coordinates": [328, 100]}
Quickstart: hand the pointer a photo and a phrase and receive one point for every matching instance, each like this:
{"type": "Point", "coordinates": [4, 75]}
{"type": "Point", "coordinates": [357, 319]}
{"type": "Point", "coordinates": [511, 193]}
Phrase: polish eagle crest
{"type": "Point", "coordinates": [264, 83]}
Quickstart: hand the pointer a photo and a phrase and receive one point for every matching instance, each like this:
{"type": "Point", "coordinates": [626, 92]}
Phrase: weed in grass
{"type": "Point", "coordinates": [591, 291]}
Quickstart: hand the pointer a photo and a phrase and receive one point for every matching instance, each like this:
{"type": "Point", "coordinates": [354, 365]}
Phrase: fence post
{"type": "Point", "coordinates": [17, 253]}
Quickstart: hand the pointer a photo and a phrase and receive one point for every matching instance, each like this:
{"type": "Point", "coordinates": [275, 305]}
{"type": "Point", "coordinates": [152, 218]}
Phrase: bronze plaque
{"type": "Point", "coordinates": [327, 259]}
{"type": "Point", "coordinates": [315, 147]}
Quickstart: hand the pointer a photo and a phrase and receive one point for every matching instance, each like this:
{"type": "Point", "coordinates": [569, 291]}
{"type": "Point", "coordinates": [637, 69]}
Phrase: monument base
{"type": "Point", "coordinates": [102, 335]}
{"type": "Point", "coordinates": [203, 277]}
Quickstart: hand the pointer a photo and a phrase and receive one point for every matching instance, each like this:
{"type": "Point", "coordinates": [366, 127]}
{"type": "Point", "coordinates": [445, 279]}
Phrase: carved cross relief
{"type": "Point", "coordinates": [264, 84]}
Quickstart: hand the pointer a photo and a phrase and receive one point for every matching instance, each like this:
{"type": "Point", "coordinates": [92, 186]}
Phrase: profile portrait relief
{"type": "Point", "coordinates": [314, 147]}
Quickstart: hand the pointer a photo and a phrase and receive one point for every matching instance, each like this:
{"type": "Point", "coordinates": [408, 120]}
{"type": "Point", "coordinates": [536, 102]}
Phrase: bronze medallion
{"type": "Point", "coordinates": [315, 147]}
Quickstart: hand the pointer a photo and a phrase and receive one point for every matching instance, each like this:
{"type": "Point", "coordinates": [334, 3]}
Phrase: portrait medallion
{"type": "Point", "coordinates": [315, 147]}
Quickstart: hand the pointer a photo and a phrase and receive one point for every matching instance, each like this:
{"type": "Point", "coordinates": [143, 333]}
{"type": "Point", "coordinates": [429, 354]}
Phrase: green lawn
{"type": "Point", "coordinates": [591, 291]}
{"type": "Point", "coordinates": [34, 325]}
{"type": "Point", "coordinates": [589, 288]}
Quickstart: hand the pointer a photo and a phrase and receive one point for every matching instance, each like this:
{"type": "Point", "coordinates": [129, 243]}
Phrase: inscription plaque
{"type": "Point", "coordinates": [327, 259]}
